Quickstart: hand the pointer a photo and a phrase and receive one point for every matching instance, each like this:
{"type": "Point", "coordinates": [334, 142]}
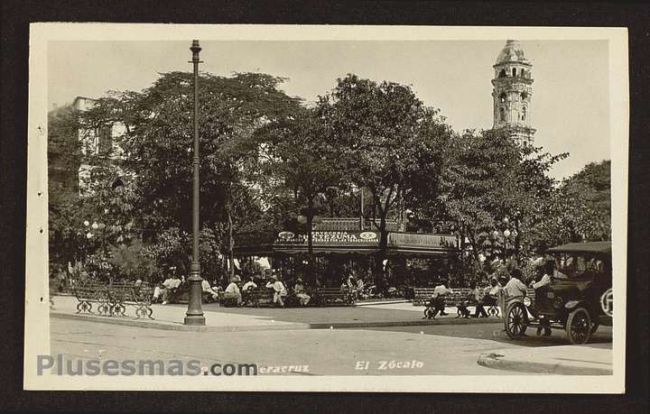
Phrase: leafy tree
{"type": "Point", "coordinates": [64, 158]}
{"type": "Point", "coordinates": [494, 183]}
{"type": "Point", "coordinates": [157, 145]}
{"type": "Point", "coordinates": [132, 261]}
{"type": "Point", "coordinates": [580, 209]}
{"type": "Point", "coordinates": [301, 161]}
{"type": "Point", "coordinates": [387, 141]}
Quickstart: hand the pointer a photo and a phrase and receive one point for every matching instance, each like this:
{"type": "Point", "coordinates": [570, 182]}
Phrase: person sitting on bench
{"type": "Point", "coordinates": [171, 285]}
{"type": "Point", "coordinates": [208, 292]}
{"type": "Point", "coordinates": [232, 295]}
{"type": "Point", "coordinates": [279, 291]}
{"type": "Point", "coordinates": [299, 291]}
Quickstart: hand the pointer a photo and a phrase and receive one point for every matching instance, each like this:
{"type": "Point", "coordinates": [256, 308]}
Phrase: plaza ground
{"type": "Point", "coordinates": [368, 337]}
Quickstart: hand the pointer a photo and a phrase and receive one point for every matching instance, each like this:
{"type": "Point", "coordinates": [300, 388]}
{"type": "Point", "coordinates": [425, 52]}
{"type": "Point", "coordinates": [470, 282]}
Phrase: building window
{"type": "Point", "coordinates": [524, 96]}
{"type": "Point", "coordinates": [105, 140]}
{"type": "Point", "coordinates": [502, 74]}
{"type": "Point", "coordinates": [502, 114]}
{"type": "Point", "coordinates": [502, 97]}
{"type": "Point", "coordinates": [514, 72]}
{"type": "Point", "coordinates": [523, 114]}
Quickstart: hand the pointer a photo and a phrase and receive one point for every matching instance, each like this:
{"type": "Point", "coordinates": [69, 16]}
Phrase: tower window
{"type": "Point", "coordinates": [523, 114]}
{"type": "Point", "coordinates": [502, 74]}
{"type": "Point", "coordinates": [514, 72]}
{"type": "Point", "coordinates": [502, 114]}
{"type": "Point", "coordinates": [502, 97]}
{"type": "Point", "coordinates": [524, 96]}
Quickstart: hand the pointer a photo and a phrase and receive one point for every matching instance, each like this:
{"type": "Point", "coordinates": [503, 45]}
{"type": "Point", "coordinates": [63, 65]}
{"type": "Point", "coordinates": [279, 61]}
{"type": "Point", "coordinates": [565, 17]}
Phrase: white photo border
{"type": "Point", "coordinates": [37, 325]}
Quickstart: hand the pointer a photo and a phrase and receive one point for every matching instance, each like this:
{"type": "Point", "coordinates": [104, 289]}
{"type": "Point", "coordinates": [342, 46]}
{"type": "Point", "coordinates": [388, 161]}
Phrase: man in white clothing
{"type": "Point", "coordinates": [232, 295]}
{"type": "Point", "coordinates": [439, 294]}
{"type": "Point", "coordinates": [279, 291]}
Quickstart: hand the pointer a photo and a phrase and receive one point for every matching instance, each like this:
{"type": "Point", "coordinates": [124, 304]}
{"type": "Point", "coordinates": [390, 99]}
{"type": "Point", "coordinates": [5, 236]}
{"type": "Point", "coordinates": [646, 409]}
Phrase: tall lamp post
{"type": "Point", "coordinates": [194, 315]}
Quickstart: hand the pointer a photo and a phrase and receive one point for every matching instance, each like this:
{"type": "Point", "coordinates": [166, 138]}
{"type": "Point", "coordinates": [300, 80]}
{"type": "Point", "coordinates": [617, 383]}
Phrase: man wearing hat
{"type": "Point", "coordinates": [299, 291]}
{"type": "Point", "coordinates": [541, 289]}
{"type": "Point", "coordinates": [279, 291]}
{"type": "Point", "coordinates": [439, 293]}
{"type": "Point", "coordinates": [170, 285]}
{"type": "Point", "coordinates": [232, 295]}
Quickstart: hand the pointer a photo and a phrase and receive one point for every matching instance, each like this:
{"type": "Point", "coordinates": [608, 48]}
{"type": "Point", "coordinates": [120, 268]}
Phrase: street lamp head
{"type": "Point", "coordinates": [495, 233]}
{"type": "Point", "coordinates": [506, 233]}
{"type": "Point", "coordinates": [195, 50]}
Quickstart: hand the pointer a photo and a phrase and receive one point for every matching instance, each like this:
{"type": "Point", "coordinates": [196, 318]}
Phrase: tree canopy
{"type": "Point", "coordinates": [267, 160]}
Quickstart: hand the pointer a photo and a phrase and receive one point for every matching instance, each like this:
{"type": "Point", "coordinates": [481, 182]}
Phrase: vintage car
{"type": "Point", "coordinates": [578, 298]}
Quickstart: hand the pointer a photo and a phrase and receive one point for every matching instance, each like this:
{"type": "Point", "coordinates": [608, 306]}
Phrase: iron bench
{"type": "Point", "coordinates": [333, 296]}
{"type": "Point", "coordinates": [91, 292]}
{"type": "Point", "coordinates": [122, 294]}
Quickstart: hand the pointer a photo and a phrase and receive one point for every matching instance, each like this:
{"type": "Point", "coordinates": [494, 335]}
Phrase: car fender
{"type": "Point", "coordinates": [572, 304]}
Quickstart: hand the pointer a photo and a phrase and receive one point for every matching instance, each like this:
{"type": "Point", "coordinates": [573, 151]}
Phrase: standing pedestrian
{"type": "Point", "coordinates": [479, 295]}
{"type": "Point", "coordinates": [440, 293]}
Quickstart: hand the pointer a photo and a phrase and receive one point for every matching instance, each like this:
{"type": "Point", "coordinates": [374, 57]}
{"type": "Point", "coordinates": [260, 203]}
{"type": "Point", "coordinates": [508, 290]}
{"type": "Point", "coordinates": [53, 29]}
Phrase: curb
{"type": "Point", "coordinates": [494, 360]}
{"type": "Point", "coordinates": [423, 322]}
{"type": "Point", "coordinates": [175, 326]}
{"type": "Point", "coordinates": [172, 326]}
{"type": "Point", "coordinates": [382, 302]}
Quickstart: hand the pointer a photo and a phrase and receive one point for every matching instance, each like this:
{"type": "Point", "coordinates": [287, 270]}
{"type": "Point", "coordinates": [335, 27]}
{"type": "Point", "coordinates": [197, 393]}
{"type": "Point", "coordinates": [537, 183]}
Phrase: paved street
{"type": "Point", "coordinates": [436, 349]}
{"type": "Point", "coordinates": [326, 352]}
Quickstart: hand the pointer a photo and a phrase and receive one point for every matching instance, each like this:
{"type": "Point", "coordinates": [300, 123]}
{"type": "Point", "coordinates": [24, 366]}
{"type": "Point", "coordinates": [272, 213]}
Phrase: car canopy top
{"type": "Point", "coordinates": [604, 247]}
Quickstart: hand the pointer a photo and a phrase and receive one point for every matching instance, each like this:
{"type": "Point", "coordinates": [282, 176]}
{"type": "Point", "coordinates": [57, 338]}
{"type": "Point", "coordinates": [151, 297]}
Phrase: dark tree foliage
{"type": "Point", "coordinates": [580, 209]}
{"type": "Point", "coordinates": [387, 140]}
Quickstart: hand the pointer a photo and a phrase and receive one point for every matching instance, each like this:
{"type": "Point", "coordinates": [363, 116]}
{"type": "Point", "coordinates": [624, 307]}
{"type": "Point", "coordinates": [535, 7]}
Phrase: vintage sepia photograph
{"type": "Point", "coordinates": [326, 208]}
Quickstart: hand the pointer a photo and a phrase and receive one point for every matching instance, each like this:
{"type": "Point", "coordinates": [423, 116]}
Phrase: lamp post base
{"type": "Point", "coordinates": [196, 320]}
{"type": "Point", "coordinates": [194, 314]}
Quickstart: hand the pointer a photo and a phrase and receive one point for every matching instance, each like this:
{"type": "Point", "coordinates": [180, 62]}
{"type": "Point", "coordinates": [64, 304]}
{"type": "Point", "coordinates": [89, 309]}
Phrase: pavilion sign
{"type": "Point", "coordinates": [329, 238]}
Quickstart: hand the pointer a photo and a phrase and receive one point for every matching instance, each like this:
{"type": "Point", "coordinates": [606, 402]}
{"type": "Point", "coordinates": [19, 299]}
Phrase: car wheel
{"type": "Point", "coordinates": [578, 326]}
{"type": "Point", "coordinates": [594, 327]}
{"type": "Point", "coordinates": [516, 320]}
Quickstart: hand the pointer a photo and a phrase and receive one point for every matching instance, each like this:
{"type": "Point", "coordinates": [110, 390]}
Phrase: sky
{"type": "Point", "coordinates": [569, 106]}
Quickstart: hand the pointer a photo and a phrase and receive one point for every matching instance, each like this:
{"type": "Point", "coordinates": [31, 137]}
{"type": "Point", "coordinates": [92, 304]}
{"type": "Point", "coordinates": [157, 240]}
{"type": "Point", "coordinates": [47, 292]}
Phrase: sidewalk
{"type": "Point", "coordinates": [269, 318]}
{"type": "Point", "coordinates": [171, 318]}
{"type": "Point", "coordinates": [590, 359]}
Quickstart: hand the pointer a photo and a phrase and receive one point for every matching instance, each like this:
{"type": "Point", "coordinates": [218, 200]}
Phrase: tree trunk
{"type": "Point", "coordinates": [309, 224]}
{"type": "Point", "coordinates": [379, 274]}
{"type": "Point", "coordinates": [231, 241]}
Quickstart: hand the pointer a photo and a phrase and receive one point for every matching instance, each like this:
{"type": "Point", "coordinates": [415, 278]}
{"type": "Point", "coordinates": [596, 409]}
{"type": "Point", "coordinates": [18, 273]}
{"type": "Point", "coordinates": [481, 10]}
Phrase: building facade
{"type": "Point", "coordinates": [99, 147]}
{"type": "Point", "coordinates": [512, 93]}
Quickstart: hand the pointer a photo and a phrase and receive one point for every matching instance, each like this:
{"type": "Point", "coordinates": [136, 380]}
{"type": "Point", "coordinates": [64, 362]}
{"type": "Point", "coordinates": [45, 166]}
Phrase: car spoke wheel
{"type": "Point", "coordinates": [594, 327]}
{"type": "Point", "coordinates": [578, 326]}
{"type": "Point", "coordinates": [516, 320]}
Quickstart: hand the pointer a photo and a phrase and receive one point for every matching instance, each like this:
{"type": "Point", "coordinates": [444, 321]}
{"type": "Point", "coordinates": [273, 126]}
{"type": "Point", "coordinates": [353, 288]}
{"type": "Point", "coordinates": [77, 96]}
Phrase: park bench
{"type": "Point", "coordinates": [123, 294]}
{"type": "Point", "coordinates": [458, 295]}
{"type": "Point", "coordinates": [91, 292]}
{"type": "Point", "coordinates": [112, 299]}
{"type": "Point", "coordinates": [259, 296]}
{"type": "Point", "coordinates": [333, 296]}
{"type": "Point", "coordinates": [422, 295]}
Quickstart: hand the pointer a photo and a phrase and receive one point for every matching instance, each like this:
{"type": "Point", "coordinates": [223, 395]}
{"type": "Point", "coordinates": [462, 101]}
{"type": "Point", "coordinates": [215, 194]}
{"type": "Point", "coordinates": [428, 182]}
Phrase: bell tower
{"type": "Point", "coordinates": [512, 92]}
